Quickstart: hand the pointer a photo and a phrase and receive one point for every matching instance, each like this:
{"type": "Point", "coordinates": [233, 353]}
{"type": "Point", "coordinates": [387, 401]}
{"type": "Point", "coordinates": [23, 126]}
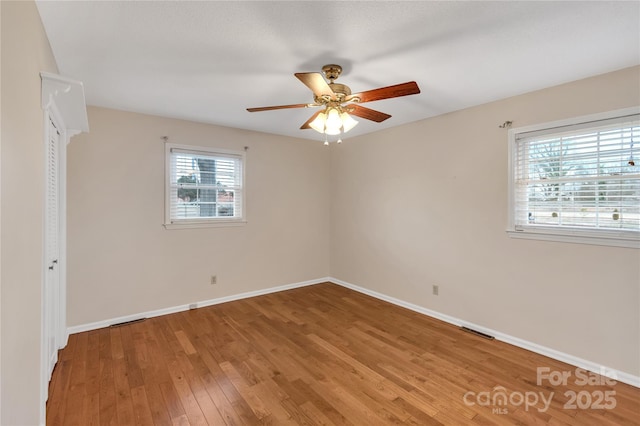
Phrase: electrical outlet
{"type": "Point", "coordinates": [214, 279]}
{"type": "Point", "coordinates": [435, 290]}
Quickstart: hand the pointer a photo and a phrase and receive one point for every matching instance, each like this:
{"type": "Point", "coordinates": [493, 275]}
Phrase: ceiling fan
{"type": "Point", "coordinates": [338, 101]}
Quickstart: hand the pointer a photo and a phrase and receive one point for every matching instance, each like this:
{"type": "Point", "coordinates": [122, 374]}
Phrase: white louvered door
{"type": "Point", "coordinates": [51, 294]}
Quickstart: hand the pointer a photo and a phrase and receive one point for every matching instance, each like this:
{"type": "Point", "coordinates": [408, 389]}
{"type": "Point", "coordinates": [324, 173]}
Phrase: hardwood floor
{"type": "Point", "coordinates": [318, 355]}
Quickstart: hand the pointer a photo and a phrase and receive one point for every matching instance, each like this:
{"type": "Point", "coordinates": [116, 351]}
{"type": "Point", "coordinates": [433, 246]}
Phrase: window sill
{"type": "Point", "coordinates": [576, 237]}
{"type": "Point", "coordinates": [208, 224]}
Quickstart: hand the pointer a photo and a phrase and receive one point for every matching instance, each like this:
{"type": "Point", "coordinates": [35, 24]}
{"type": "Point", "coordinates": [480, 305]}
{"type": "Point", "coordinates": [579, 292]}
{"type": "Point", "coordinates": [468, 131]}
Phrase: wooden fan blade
{"type": "Point", "coordinates": [316, 82]}
{"type": "Point", "coordinates": [367, 113]}
{"type": "Point", "coordinates": [404, 89]}
{"type": "Point", "coordinates": [313, 117]}
{"type": "Point", "coordinates": [269, 108]}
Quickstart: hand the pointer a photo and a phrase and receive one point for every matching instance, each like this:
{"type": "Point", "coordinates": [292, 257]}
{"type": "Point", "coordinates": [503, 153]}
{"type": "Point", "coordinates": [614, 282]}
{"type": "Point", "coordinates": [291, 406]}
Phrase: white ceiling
{"type": "Point", "coordinates": [208, 61]}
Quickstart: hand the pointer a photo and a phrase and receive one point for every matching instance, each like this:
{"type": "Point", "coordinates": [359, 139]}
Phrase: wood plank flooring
{"type": "Point", "coordinates": [318, 355]}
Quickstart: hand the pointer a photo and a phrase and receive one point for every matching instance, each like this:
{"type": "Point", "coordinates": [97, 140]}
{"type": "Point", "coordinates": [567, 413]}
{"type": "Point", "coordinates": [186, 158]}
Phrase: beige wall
{"type": "Point", "coordinates": [25, 52]}
{"type": "Point", "coordinates": [426, 204]}
{"type": "Point", "coordinates": [122, 261]}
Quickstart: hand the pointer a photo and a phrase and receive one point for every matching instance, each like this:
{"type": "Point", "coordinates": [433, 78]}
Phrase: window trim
{"type": "Point", "coordinates": [202, 222]}
{"type": "Point", "coordinates": [564, 234]}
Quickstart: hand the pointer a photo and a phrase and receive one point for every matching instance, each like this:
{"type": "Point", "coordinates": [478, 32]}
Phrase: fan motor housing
{"type": "Point", "coordinates": [340, 89]}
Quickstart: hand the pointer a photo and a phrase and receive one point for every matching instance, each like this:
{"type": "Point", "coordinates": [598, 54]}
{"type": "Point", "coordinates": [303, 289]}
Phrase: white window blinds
{"type": "Point", "coordinates": [204, 185]}
{"type": "Point", "coordinates": [584, 176]}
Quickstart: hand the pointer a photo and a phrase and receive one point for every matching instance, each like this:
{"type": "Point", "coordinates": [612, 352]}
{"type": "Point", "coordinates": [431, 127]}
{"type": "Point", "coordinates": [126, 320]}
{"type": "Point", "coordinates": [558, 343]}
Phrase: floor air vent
{"type": "Point", "coordinates": [120, 324]}
{"type": "Point", "coordinates": [477, 333]}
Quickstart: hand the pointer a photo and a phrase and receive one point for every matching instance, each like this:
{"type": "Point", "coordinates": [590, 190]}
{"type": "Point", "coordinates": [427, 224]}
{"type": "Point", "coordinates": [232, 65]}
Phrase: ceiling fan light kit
{"type": "Point", "coordinates": [333, 121]}
{"type": "Point", "coordinates": [338, 102]}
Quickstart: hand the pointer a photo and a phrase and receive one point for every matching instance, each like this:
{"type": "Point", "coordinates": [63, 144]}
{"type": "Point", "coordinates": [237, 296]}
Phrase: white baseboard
{"type": "Point", "coordinates": [620, 376]}
{"type": "Point", "coordinates": [171, 310]}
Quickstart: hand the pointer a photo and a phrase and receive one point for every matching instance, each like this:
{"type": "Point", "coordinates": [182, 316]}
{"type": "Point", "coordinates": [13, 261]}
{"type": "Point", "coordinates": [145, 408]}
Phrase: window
{"type": "Point", "coordinates": [204, 187]}
{"type": "Point", "coordinates": [577, 180]}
